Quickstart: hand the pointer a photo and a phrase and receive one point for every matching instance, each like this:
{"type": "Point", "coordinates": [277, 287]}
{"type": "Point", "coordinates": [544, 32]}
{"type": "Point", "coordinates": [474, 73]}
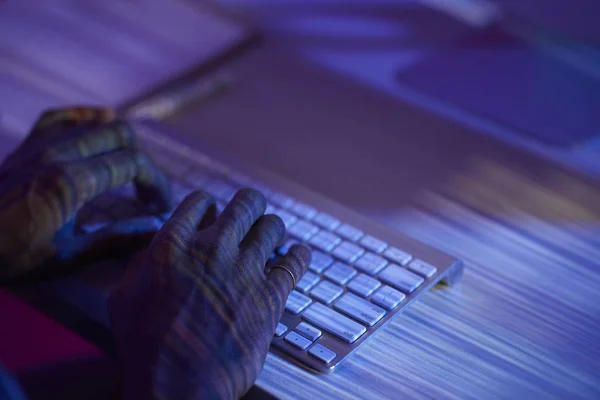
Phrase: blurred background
{"type": "Point", "coordinates": [471, 125]}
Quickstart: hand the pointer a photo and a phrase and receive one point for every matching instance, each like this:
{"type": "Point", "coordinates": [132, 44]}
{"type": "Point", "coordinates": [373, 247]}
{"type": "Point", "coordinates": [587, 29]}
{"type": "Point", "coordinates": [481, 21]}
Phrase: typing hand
{"type": "Point", "coordinates": [69, 157]}
{"type": "Point", "coordinates": [195, 314]}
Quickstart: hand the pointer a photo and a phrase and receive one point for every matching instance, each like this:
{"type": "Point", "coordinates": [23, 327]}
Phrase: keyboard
{"type": "Point", "coordinates": [361, 275]}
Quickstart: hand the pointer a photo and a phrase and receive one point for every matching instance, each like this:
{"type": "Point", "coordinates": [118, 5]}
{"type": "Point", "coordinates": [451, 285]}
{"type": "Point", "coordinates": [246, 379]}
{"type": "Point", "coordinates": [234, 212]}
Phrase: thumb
{"type": "Point", "coordinates": [112, 241]}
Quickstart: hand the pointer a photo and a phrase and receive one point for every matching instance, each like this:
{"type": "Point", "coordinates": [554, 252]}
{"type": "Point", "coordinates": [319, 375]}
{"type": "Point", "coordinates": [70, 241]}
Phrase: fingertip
{"type": "Point", "coordinates": [193, 210]}
{"type": "Point", "coordinates": [276, 222]}
{"type": "Point", "coordinates": [196, 201]}
{"type": "Point", "coordinates": [106, 114]}
{"type": "Point", "coordinates": [185, 221]}
{"type": "Point", "coordinates": [254, 196]}
{"type": "Point", "coordinates": [284, 237]}
{"type": "Point", "coordinates": [303, 253]}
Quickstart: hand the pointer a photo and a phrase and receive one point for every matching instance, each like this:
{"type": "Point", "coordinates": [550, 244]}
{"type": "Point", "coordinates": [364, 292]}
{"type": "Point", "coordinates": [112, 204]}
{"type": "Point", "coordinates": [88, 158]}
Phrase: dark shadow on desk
{"type": "Point", "coordinates": [90, 379]}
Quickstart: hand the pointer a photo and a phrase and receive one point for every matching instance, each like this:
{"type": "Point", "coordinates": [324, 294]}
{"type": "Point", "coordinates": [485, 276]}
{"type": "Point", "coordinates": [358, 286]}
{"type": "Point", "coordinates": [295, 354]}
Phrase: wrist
{"type": "Point", "coordinates": [176, 378]}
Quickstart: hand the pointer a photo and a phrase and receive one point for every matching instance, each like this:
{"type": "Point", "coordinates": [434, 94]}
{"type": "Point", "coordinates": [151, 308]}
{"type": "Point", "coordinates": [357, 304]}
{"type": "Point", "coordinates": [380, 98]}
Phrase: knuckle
{"type": "Point", "coordinates": [164, 246]}
{"type": "Point", "coordinates": [221, 249]}
{"type": "Point", "coordinates": [276, 295]}
{"type": "Point", "coordinates": [106, 114]}
{"type": "Point", "coordinates": [51, 112]}
{"type": "Point", "coordinates": [125, 132]}
{"type": "Point", "coordinates": [225, 234]}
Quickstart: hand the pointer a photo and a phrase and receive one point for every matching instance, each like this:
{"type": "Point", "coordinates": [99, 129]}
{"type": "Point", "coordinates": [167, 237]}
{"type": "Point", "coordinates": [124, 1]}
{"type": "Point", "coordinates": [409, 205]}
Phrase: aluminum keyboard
{"type": "Point", "coordinates": [355, 282]}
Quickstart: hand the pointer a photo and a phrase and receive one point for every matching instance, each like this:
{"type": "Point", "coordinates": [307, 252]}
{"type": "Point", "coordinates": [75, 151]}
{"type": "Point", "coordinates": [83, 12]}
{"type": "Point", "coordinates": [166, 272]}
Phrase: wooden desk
{"type": "Point", "coordinates": [522, 324]}
{"type": "Point", "coordinates": [524, 321]}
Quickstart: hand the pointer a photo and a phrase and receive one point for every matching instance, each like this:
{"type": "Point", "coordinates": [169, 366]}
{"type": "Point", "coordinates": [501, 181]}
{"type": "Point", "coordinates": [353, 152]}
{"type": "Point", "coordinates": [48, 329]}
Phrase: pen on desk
{"type": "Point", "coordinates": [195, 92]}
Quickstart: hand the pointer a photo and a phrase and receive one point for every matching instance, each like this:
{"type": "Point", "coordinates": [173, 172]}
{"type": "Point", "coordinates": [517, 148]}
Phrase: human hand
{"type": "Point", "coordinates": [70, 156]}
{"type": "Point", "coordinates": [196, 313]}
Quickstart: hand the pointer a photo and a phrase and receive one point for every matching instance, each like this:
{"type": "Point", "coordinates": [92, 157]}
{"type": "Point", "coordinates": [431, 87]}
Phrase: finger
{"type": "Point", "coordinates": [196, 210]}
{"type": "Point", "coordinates": [96, 140]}
{"type": "Point", "coordinates": [152, 187]}
{"type": "Point", "coordinates": [262, 240]}
{"type": "Point", "coordinates": [72, 116]}
{"type": "Point", "coordinates": [115, 240]}
{"type": "Point", "coordinates": [79, 182]}
{"type": "Point", "coordinates": [234, 223]}
{"type": "Point", "coordinates": [296, 261]}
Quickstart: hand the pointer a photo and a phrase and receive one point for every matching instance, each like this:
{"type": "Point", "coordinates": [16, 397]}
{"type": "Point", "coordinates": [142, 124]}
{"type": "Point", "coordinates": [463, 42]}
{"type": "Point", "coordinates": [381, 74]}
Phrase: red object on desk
{"type": "Point", "coordinates": [29, 339]}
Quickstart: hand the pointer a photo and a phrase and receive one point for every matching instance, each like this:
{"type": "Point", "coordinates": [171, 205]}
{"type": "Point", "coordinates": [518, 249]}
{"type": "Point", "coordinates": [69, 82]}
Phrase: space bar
{"type": "Point", "coordinates": [333, 322]}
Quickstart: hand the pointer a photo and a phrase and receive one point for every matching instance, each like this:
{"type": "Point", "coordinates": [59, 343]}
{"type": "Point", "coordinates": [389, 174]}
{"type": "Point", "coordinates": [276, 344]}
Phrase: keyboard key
{"type": "Point", "coordinates": [271, 209]}
{"type": "Point", "coordinates": [282, 250]}
{"type": "Point", "coordinates": [388, 297]}
{"type": "Point", "coordinates": [171, 166]}
{"type": "Point", "coordinates": [349, 232]}
{"type": "Point", "coordinates": [373, 244]}
{"type": "Point", "coordinates": [221, 190]}
{"type": "Point", "coordinates": [320, 261]}
{"type": "Point", "coordinates": [360, 309]}
{"type": "Point", "coordinates": [325, 241]}
{"type": "Point", "coordinates": [281, 200]}
{"type": "Point", "coordinates": [322, 353]}
{"type": "Point", "coordinates": [297, 302]}
{"type": "Point", "coordinates": [396, 255]}
{"type": "Point", "coordinates": [266, 191]}
{"type": "Point", "coordinates": [288, 218]}
{"type": "Point", "coordinates": [326, 221]}
{"type": "Point", "coordinates": [401, 279]}
{"type": "Point", "coordinates": [179, 192]}
{"type": "Point", "coordinates": [219, 167]}
{"type": "Point", "coordinates": [340, 273]}
{"type": "Point", "coordinates": [422, 268]}
{"type": "Point", "coordinates": [371, 263]}
{"type": "Point", "coordinates": [304, 210]}
{"type": "Point", "coordinates": [326, 292]}
{"type": "Point", "coordinates": [307, 282]}
{"type": "Point", "coordinates": [297, 341]}
{"type": "Point", "coordinates": [198, 179]}
{"type": "Point", "coordinates": [364, 285]}
{"type": "Point", "coordinates": [240, 179]}
{"type": "Point", "coordinates": [348, 252]}
{"type": "Point", "coordinates": [334, 322]}
{"type": "Point", "coordinates": [303, 230]}
{"type": "Point", "coordinates": [308, 331]}
{"type": "Point", "coordinates": [280, 330]}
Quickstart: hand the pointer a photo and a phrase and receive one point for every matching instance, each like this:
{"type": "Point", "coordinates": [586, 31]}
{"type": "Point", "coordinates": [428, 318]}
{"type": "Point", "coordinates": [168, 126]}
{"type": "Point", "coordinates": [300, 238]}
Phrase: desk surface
{"type": "Point", "coordinates": [522, 324]}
